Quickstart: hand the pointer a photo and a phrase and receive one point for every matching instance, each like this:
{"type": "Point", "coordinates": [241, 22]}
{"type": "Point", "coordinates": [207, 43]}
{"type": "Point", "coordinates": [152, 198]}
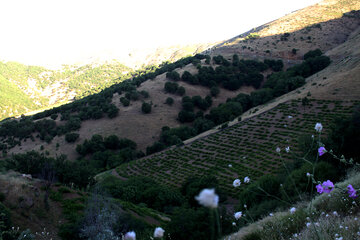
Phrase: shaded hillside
{"type": "Point", "coordinates": [244, 149]}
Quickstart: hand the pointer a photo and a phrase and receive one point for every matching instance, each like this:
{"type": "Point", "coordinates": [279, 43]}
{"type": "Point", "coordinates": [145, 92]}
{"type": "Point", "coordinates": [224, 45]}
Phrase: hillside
{"type": "Point", "coordinates": [324, 25]}
{"type": "Point", "coordinates": [152, 139]}
{"type": "Point", "coordinates": [165, 115]}
{"type": "Point", "coordinates": [44, 88]}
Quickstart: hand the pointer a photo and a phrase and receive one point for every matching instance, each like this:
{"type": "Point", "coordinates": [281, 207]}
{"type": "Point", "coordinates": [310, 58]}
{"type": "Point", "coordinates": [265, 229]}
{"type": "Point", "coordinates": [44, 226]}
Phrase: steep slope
{"type": "Point", "coordinates": [324, 25]}
{"type": "Point", "coordinates": [144, 129]}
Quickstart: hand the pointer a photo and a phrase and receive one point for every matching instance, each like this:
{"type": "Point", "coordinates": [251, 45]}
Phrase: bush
{"type": "Point", "coordinates": [214, 91]}
{"type": "Point", "coordinates": [113, 111]}
{"type": "Point", "coordinates": [186, 116]}
{"type": "Point", "coordinates": [146, 107]}
{"type": "Point", "coordinates": [145, 94]}
{"type": "Point", "coordinates": [169, 101]}
{"type": "Point", "coordinates": [54, 116]}
{"type": "Point", "coordinates": [5, 218]}
{"type": "Point", "coordinates": [2, 197]}
{"type": "Point", "coordinates": [312, 54]}
{"type": "Point", "coordinates": [124, 101]}
{"type": "Point", "coordinates": [156, 147]}
{"type": "Point", "coordinates": [171, 87]}
{"type": "Point", "coordinates": [180, 91]}
{"type": "Point", "coordinates": [71, 137]}
{"type": "Point", "coordinates": [173, 75]}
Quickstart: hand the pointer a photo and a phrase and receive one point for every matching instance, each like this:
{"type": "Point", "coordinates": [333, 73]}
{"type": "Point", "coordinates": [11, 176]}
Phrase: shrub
{"type": "Point", "coordinates": [312, 54]}
{"type": "Point", "coordinates": [2, 197]}
{"type": "Point", "coordinates": [169, 101]}
{"type": "Point", "coordinates": [146, 107]}
{"type": "Point", "coordinates": [171, 87]}
{"type": "Point", "coordinates": [54, 116]}
{"type": "Point", "coordinates": [186, 116]}
{"type": "Point", "coordinates": [173, 75]}
{"type": "Point", "coordinates": [180, 91]}
{"type": "Point", "coordinates": [5, 218]}
{"type": "Point", "coordinates": [124, 101]}
{"type": "Point", "coordinates": [71, 137]}
{"type": "Point", "coordinates": [145, 94]}
{"type": "Point", "coordinates": [113, 111]}
{"type": "Point", "coordinates": [214, 91]}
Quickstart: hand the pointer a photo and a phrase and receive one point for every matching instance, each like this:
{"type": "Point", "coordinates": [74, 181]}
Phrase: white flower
{"type": "Point", "coordinates": [208, 198]}
{"type": "Point", "coordinates": [287, 149]}
{"type": "Point", "coordinates": [292, 210]}
{"type": "Point", "coordinates": [234, 223]}
{"type": "Point", "coordinates": [271, 214]}
{"type": "Point", "coordinates": [230, 165]}
{"type": "Point", "coordinates": [130, 235]}
{"type": "Point", "coordinates": [295, 235]}
{"type": "Point", "coordinates": [318, 127]}
{"type": "Point", "coordinates": [278, 149]}
{"type": "Point", "coordinates": [339, 238]}
{"type": "Point", "coordinates": [335, 213]}
{"type": "Point", "coordinates": [159, 232]}
{"type": "Point", "coordinates": [290, 117]}
{"type": "Point", "coordinates": [308, 224]}
{"type": "Point", "coordinates": [327, 215]}
{"type": "Point", "coordinates": [308, 174]}
{"type": "Point", "coordinates": [246, 179]}
{"type": "Point", "coordinates": [245, 206]}
{"type": "Point", "coordinates": [238, 215]}
{"type": "Point", "coordinates": [236, 183]}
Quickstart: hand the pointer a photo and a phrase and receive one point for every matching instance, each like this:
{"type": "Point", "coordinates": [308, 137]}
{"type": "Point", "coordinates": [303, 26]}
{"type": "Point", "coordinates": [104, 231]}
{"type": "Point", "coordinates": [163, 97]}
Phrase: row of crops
{"type": "Point", "coordinates": [245, 149]}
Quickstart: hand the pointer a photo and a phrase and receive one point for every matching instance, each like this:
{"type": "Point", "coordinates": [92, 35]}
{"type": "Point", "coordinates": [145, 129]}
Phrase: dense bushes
{"type": "Point", "coordinates": [78, 172]}
{"type": "Point", "coordinates": [143, 190]}
{"type": "Point", "coordinates": [71, 137]}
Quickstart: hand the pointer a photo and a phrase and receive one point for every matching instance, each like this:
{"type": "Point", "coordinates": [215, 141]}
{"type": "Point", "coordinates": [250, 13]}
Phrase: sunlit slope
{"type": "Point", "coordinates": [12, 100]}
{"type": "Point", "coordinates": [324, 25]}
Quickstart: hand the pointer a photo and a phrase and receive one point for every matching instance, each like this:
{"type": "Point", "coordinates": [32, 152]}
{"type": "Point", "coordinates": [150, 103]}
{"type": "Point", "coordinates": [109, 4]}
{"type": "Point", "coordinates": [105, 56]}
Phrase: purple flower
{"type": "Point", "coordinates": [325, 187]}
{"type": "Point", "coordinates": [351, 191]}
{"type": "Point", "coordinates": [321, 151]}
{"type": "Point", "coordinates": [328, 186]}
{"type": "Point", "coordinates": [319, 188]}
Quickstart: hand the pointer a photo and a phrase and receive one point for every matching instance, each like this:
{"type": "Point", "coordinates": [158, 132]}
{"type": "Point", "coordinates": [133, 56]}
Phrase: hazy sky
{"type": "Point", "coordinates": [52, 32]}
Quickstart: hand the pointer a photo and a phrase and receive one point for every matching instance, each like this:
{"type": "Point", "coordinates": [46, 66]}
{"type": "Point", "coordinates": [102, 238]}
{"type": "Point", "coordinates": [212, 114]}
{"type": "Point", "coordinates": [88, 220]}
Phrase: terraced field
{"type": "Point", "coordinates": [245, 149]}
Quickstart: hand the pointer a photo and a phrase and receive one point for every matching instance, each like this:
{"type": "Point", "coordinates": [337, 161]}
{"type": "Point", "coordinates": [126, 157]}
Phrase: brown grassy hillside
{"type": "Point", "coordinates": [336, 26]}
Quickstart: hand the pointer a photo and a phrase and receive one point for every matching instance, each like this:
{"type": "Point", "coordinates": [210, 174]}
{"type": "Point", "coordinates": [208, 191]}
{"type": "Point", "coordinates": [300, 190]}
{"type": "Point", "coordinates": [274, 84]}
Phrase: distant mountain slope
{"type": "Point", "coordinates": [29, 88]}
{"type": "Point", "coordinates": [324, 25]}
{"type": "Point", "coordinates": [13, 100]}
{"type": "Point", "coordinates": [45, 88]}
